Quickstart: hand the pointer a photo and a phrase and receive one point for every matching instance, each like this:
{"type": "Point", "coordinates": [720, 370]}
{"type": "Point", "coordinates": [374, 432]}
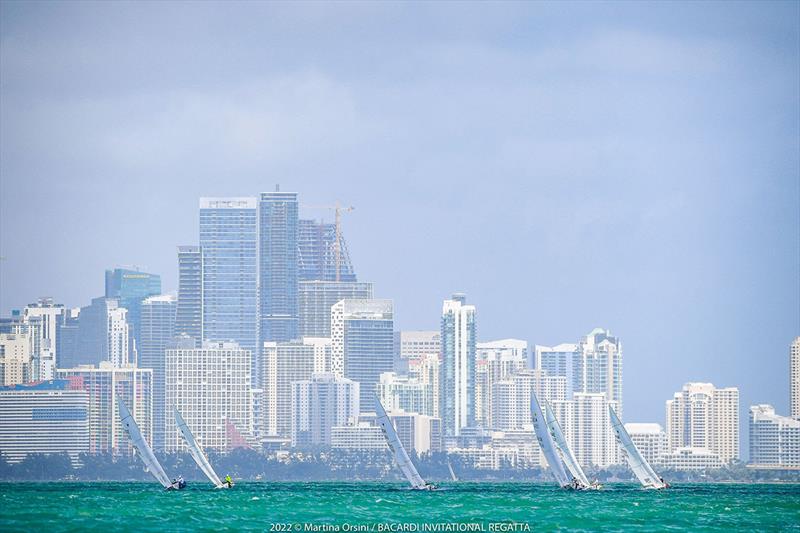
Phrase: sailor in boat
{"type": "Point", "coordinates": [430, 486]}
{"type": "Point", "coordinates": [178, 484]}
{"type": "Point", "coordinates": [228, 481]}
{"type": "Point", "coordinates": [666, 485]}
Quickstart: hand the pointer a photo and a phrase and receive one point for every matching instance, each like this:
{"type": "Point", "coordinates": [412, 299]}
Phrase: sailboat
{"type": "Point", "coordinates": [400, 456]}
{"type": "Point", "coordinates": [566, 452]}
{"type": "Point", "coordinates": [546, 443]}
{"type": "Point", "coordinates": [641, 468]}
{"type": "Point", "coordinates": [197, 452]}
{"type": "Point", "coordinates": [450, 468]}
{"type": "Point", "coordinates": [144, 450]}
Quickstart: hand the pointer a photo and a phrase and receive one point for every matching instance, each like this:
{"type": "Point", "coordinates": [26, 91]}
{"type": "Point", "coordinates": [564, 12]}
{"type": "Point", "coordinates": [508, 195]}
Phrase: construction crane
{"type": "Point", "coordinates": [337, 245]}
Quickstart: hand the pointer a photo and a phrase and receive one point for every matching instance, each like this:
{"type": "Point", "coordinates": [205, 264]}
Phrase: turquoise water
{"type": "Point", "coordinates": [379, 507]}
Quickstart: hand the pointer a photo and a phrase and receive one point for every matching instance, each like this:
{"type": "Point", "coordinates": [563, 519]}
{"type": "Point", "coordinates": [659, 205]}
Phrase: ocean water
{"type": "Point", "coordinates": [389, 507]}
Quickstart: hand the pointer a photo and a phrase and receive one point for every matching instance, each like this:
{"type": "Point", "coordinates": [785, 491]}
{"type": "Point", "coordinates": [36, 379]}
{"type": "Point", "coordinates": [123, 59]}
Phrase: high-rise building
{"type": "Point", "coordinates": [316, 246]}
{"type": "Point", "coordinates": [68, 338]}
{"type": "Point", "coordinates": [210, 386]}
{"type": "Point", "coordinates": [277, 266]}
{"type": "Point", "coordinates": [426, 370]}
{"type": "Point", "coordinates": [417, 344]}
{"type": "Point", "coordinates": [129, 288]}
{"type": "Point", "coordinates": [511, 398]}
{"type": "Point", "coordinates": [417, 432]}
{"type": "Point", "coordinates": [405, 393]}
{"type": "Point", "coordinates": [650, 440]}
{"type": "Point", "coordinates": [15, 358]}
{"type": "Point", "coordinates": [600, 365]}
{"type": "Point", "coordinates": [319, 404]}
{"type": "Point", "coordinates": [457, 373]}
{"type": "Point", "coordinates": [316, 299]}
{"type": "Point", "coordinates": [157, 331]}
{"type": "Point", "coordinates": [228, 244]}
{"type": "Point", "coordinates": [44, 417]}
{"type": "Point", "coordinates": [47, 317]}
{"type": "Point", "coordinates": [362, 335]}
{"type": "Point", "coordinates": [105, 386]}
{"type": "Point", "coordinates": [587, 428]}
{"type": "Point", "coordinates": [103, 335]}
{"type": "Point", "coordinates": [496, 360]}
{"type": "Point", "coordinates": [703, 416]}
{"type": "Point", "coordinates": [561, 360]}
{"type": "Point", "coordinates": [774, 439]}
{"type": "Point", "coordinates": [794, 377]}
{"type": "Point", "coordinates": [284, 363]}
{"type": "Point", "coordinates": [189, 312]}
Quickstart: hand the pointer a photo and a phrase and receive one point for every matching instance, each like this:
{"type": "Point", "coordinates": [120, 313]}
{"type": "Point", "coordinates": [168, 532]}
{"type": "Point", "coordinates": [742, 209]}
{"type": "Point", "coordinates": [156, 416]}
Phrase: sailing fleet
{"type": "Point", "coordinates": [559, 456]}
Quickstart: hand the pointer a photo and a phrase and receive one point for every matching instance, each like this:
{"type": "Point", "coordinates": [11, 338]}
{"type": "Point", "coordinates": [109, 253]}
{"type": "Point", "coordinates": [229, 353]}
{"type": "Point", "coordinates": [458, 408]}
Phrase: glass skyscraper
{"type": "Point", "coordinates": [277, 266]}
{"type": "Point", "coordinates": [316, 248]}
{"type": "Point", "coordinates": [158, 329]}
{"type": "Point", "coordinates": [228, 244]}
{"type": "Point", "coordinates": [189, 314]}
{"type": "Point", "coordinates": [457, 374]}
{"type": "Point", "coordinates": [129, 288]}
{"type": "Point", "coordinates": [316, 299]}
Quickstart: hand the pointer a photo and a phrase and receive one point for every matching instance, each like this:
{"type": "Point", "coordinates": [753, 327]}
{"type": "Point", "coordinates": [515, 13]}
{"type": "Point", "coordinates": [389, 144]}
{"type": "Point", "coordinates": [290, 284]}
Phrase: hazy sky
{"type": "Point", "coordinates": [630, 166]}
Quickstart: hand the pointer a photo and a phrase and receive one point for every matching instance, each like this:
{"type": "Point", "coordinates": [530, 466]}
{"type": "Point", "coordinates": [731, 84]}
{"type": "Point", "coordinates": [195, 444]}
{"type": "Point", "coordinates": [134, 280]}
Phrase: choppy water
{"type": "Point", "coordinates": [280, 507]}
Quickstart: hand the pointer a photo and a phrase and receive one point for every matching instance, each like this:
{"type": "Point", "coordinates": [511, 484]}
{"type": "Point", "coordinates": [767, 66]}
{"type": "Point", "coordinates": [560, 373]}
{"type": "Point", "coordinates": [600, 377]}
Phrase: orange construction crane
{"type": "Point", "coordinates": [337, 245]}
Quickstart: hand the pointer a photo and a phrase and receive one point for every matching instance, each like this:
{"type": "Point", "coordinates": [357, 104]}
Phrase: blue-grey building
{"type": "Point", "coordinates": [129, 288]}
{"type": "Point", "coordinates": [189, 312]}
{"type": "Point", "coordinates": [457, 373]}
{"type": "Point", "coordinates": [103, 335]}
{"type": "Point", "coordinates": [158, 330]}
{"type": "Point", "coordinates": [228, 244]}
{"type": "Point", "coordinates": [277, 266]}
{"type": "Point", "coordinates": [316, 248]}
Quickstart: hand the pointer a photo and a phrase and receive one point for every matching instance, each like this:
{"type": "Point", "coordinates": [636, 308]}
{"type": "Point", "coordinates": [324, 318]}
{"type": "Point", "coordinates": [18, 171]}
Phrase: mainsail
{"type": "Point", "coordinates": [644, 472]}
{"type": "Point", "coordinates": [145, 452]}
{"type": "Point", "coordinates": [196, 451]}
{"type": "Point", "coordinates": [400, 455]}
{"type": "Point", "coordinates": [546, 442]}
{"type": "Point", "coordinates": [566, 452]}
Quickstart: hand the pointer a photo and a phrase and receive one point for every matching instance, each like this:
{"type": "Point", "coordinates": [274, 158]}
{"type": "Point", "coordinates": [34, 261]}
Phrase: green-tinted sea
{"type": "Point", "coordinates": [386, 507]}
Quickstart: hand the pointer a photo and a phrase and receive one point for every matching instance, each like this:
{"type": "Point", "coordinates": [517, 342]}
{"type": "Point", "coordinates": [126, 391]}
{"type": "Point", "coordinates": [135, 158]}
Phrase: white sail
{"type": "Point", "coordinates": [641, 468]}
{"type": "Point", "coordinates": [145, 452]}
{"type": "Point", "coordinates": [196, 451]}
{"type": "Point", "coordinates": [566, 452]}
{"type": "Point", "coordinates": [452, 474]}
{"type": "Point", "coordinates": [400, 455]}
{"type": "Point", "coordinates": [546, 442]}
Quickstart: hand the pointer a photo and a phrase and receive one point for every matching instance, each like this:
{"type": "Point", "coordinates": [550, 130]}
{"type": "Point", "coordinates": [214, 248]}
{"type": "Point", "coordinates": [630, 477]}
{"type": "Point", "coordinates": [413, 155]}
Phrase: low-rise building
{"type": "Point", "coordinates": [360, 437]}
{"type": "Point", "coordinates": [650, 440]}
{"type": "Point", "coordinates": [691, 458]}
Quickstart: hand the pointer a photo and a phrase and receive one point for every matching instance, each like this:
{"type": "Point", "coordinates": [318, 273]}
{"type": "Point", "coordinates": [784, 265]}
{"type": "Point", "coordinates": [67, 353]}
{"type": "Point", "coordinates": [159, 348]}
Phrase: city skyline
{"type": "Point", "coordinates": [682, 238]}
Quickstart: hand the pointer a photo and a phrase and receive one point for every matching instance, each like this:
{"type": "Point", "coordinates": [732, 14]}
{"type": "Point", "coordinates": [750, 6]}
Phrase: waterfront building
{"type": "Point", "coordinates": [44, 417]}
{"type": "Point", "coordinates": [794, 377]}
{"type": "Point", "coordinates": [457, 373]}
{"type": "Point", "coordinates": [103, 335]}
{"type": "Point", "coordinates": [316, 298]}
{"type": "Point", "coordinates": [703, 416]}
{"type": "Point", "coordinates": [650, 440]}
{"type": "Point", "coordinates": [105, 386]}
{"type": "Point", "coordinates": [15, 358]}
{"type": "Point", "coordinates": [316, 254]}
{"type": "Point", "coordinates": [560, 360]}
{"type": "Point", "coordinates": [228, 244]}
{"type": "Point", "coordinates": [406, 393]}
{"type": "Point", "coordinates": [284, 363]}
{"type": "Point", "coordinates": [211, 387]}
{"type": "Point", "coordinates": [129, 288]}
{"type": "Point", "coordinates": [360, 437]}
{"type": "Point", "coordinates": [687, 458]}
{"type": "Point", "coordinates": [189, 307]}
{"type": "Point", "coordinates": [418, 433]}
{"type": "Point", "coordinates": [156, 332]}
{"type": "Point", "coordinates": [320, 404]}
{"type": "Point", "coordinates": [277, 266]}
{"type": "Point", "coordinates": [362, 343]}
{"type": "Point", "coordinates": [587, 427]}
{"type": "Point", "coordinates": [774, 439]}
{"type": "Point", "coordinates": [600, 365]}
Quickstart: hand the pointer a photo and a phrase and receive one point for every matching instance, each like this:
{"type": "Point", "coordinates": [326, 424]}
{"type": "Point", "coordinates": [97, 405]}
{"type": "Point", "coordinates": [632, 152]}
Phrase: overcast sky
{"type": "Point", "coordinates": [630, 166]}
